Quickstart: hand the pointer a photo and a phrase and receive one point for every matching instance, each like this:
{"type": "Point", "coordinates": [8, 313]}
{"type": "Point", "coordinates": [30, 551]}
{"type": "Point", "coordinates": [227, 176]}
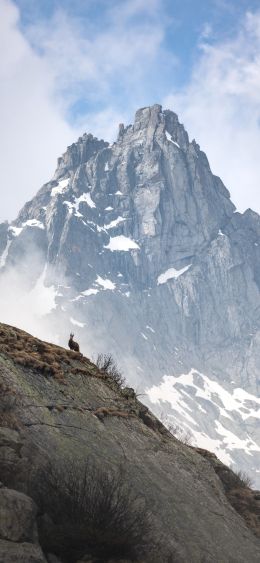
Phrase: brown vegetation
{"type": "Point", "coordinates": [108, 366]}
{"type": "Point", "coordinates": [43, 357]}
{"type": "Point", "coordinates": [237, 489]}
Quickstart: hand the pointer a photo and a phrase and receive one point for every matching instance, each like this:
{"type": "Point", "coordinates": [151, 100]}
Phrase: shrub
{"type": "Point", "coordinates": [107, 365]}
{"type": "Point", "coordinates": [92, 512]}
{"type": "Point", "coordinates": [182, 434]}
{"type": "Point", "coordinates": [241, 479]}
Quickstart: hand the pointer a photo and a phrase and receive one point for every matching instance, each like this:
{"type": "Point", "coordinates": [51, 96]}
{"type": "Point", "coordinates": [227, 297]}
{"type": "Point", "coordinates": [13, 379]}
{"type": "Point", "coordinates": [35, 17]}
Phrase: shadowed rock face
{"type": "Point", "coordinates": [56, 416]}
{"type": "Point", "coordinates": [157, 267]}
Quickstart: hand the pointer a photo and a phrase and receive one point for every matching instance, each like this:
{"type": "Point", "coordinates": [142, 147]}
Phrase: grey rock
{"type": "Point", "coordinates": [17, 517]}
{"type": "Point", "coordinates": [51, 558]}
{"type": "Point", "coordinates": [10, 438]}
{"type": "Point", "coordinates": [10, 447]}
{"type": "Point", "coordinates": [129, 393]}
{"type": "Point", "coordinates": [20, 553]}
{"type": "Point", "coordinates": [186, 498]}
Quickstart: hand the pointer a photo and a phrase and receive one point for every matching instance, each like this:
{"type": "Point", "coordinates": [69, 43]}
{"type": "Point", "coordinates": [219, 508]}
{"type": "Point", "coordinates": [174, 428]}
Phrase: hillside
{"type": "Point", "coordinates": [59, 414]}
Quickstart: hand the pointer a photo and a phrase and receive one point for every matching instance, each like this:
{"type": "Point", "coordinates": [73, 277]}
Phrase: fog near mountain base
{"type": "Point", "coordinates": [32, 299]}
{"type": "Point", "coordinates": [25, 300]}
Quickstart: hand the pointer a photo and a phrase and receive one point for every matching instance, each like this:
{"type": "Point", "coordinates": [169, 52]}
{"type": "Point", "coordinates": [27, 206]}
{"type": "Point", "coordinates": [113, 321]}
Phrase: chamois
{"type": "Point", "coordinates": [73, 345]}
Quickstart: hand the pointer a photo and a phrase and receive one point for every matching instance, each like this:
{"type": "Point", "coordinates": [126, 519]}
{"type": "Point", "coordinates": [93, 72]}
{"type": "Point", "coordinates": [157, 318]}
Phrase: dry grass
{"type": "Point", "coordinates": [47, 359]}
{"type": "Point", "coordinates": [53, 361]}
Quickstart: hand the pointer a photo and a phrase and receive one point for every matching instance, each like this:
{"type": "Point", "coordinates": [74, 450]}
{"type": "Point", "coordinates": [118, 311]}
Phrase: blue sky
{"type": "Point", "coordinates": [86, 65]}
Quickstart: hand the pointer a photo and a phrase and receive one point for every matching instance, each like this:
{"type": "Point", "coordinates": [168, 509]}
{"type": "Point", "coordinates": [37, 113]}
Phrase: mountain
{"type": "Point", "coordinates": [137, 247]}
{"type": "Point", "coordinates": [64, 424]}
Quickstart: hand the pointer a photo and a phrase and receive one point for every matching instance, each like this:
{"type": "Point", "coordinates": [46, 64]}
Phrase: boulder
{"type": "Point", "coordinates": [20, 553]}
{"type": "Point", "coordinates": [17, 517]}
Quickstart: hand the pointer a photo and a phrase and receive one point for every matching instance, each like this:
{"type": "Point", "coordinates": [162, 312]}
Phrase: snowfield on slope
{"type": "Point", "coordinates": [191, 394]}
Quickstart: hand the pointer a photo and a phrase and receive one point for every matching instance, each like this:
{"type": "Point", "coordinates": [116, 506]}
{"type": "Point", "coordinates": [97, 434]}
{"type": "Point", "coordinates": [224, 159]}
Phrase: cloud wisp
{"type": "Point", "coordinates": [220, 107]}
{"type": "Point", "coordinates": [33, 130]}
{"type": "Point", "coordinates": [109, 65]}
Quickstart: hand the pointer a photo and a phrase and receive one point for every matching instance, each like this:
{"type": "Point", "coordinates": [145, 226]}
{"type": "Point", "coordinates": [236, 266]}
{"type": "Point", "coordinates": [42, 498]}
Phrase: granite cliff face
{"type": "Point", "coordinates": [56, 406]}
{"type": "Point", "coordinates": [141, 252]}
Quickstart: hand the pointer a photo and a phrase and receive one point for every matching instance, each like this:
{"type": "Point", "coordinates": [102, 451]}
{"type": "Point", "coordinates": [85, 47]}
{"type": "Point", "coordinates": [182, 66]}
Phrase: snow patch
{"type": "Point", "coordinates": [71, 207]}
{"type": "Point", "coordinates": [114, 223]}
{"type": "Point", "coordinates": [109, 208]}
{"type": "Point", "coordinates": [121, 243]}
{"type": "Point", "coordinates": [105, 283]}
{"type": "Point", "coordinates": [60, 188]}
{"type": "Point", "coordinates": [169, 138]}
{"type": "Point", "coordinates": [86, 198]}
{"type": "Point", "coordinates": [90, 291]}
{"type": "Point", "coordinates": [171, 274]}
{"type": "Point", "coordinates": [15, 230]}
{"type": "Point", "coordinates": [34, 223]}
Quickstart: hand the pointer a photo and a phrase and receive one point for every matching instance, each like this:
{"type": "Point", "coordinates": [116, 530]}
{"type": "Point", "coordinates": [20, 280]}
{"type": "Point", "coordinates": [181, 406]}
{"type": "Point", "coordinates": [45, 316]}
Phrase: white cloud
{"type": "Point", "coordinates": [104, 123]}
{"type": "Point", "coordinates": [33, 132]}
{"type": "Point", "coordinates": [98, 62]}
{"type": "Point", "coordinates": [220, 107]}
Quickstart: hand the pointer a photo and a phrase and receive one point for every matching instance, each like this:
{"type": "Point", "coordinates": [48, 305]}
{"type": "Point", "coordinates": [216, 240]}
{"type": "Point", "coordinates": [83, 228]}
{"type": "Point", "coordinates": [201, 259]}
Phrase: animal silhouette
{"type": "Point", "coordinates": [72, 344]}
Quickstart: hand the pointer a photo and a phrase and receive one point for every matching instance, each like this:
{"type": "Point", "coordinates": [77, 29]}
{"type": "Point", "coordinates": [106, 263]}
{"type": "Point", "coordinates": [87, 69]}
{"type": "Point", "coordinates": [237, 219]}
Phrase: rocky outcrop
{"type": "Point", "coordinates": [18, 528]}
{"type": "Point", "coordinates": [18, 514]}
{"type": "Point", "coordinates": [54, 418]}
{"type": "Point", "coordinates": [144, 254]}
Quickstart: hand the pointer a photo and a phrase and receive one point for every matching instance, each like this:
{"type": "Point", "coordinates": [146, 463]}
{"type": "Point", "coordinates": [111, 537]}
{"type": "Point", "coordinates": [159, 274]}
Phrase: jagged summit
{"type": "Point", "coordinates": [139, 247]}
{"type": "Point", "coordinates": [147, 119]}
{"type": "Point", "coordinates": [78, 153]}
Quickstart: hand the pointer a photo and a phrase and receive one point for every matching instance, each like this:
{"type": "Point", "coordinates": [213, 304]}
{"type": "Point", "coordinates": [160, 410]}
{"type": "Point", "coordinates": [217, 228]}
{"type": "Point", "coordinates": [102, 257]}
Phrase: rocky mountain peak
{"type": "Point", "coordinates": [152, 124]}
{"type": "Point", "coordinates": [79, 153]}
{"type": "Point", "coordinates": [142, 250]}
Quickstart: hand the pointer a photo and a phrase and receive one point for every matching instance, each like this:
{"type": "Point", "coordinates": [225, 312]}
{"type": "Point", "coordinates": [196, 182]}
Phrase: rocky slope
{"type": "Point", "coordinates": [138, 248]}
{"type": "Point", "coordinates": [56, 405]}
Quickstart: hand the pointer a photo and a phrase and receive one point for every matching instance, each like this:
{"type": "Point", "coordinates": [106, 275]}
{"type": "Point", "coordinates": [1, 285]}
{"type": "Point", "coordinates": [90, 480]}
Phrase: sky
{"type": "Point", "coordinates": [74, 66]}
